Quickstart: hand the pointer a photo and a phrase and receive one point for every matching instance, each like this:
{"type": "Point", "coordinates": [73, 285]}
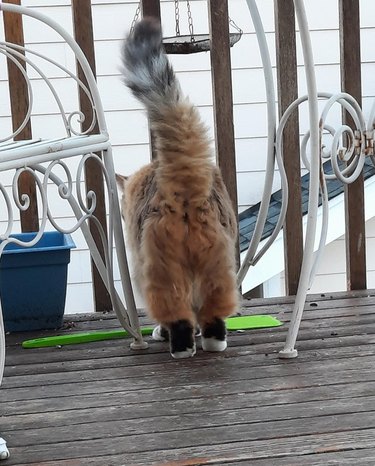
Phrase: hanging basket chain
{"type": "Point", "coordinates": [177, 17]}
{"type": "Point", "coordinates": [190, 20]}
{"type": "Point", "coordinates": [136, 17]}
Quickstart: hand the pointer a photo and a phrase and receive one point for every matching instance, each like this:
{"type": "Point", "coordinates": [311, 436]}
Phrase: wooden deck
{"type": "Point", "coordinates": [102, 404]}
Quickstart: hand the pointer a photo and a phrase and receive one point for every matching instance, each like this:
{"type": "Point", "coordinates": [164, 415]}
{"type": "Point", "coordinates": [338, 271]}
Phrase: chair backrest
{"type": "Point", "coordinates": [35, 70]}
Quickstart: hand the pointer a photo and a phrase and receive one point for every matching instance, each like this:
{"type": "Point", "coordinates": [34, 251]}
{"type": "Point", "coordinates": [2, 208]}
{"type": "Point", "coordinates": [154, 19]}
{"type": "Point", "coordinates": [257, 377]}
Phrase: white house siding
{"type": "Point", "coordinates": [331, 274]}
{"type": "Point", "coordinates": [125, 118]}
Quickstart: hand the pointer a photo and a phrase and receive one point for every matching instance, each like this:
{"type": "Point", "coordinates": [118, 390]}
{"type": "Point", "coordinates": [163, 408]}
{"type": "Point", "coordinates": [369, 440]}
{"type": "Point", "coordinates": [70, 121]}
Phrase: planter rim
{"type": "Point", "coordinates": [65, 241]}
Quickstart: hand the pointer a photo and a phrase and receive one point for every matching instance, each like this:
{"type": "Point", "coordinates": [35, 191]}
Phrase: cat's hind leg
{"type": "Point", "coordinates": [167, 280]}
{"type": "Point", "coordinates": [220, 300]}
{"type": "Point", "coordinates": [172, 309]}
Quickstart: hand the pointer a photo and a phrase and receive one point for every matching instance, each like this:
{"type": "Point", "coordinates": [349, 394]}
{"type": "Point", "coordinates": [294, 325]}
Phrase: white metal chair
{"type": "Point", "coordinates": [41, 158]}
{"type": "Point", "coordinates": [358, 148]}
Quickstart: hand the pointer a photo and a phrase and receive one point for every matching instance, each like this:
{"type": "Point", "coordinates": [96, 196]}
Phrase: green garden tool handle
{"type": "Point", "coordinates": [232, 323]}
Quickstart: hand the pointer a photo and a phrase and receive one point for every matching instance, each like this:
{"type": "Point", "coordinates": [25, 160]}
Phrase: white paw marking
{"type": "Point", "coordinates": [213, 344]}
{"type": "Point", "coordinates": [188, 353]}
{"type": "Point", "coordinates": [156, 334]}
{"type": "Point", "coordinates": [4, 452]}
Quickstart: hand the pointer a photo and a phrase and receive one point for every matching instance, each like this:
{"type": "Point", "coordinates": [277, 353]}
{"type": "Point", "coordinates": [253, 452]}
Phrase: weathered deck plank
{"type": "Point", "coordinates": [101, 403]}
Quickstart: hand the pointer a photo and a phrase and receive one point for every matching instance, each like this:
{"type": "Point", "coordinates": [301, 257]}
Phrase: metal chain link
{"type": "Point", "coordinates": [190, 21]}
{"type": "Point", "coordinates": [177, 17]}
{"type": "Point", "coordinates": [136, 17]}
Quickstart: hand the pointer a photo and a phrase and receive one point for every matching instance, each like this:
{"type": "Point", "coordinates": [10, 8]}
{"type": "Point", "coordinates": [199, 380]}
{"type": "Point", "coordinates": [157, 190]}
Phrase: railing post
{"type": "Point", "coordinates": [19, 101]}
{"type": "Point", "coordinates": [222, 96]}
{"type": "Point", "coordinates": [288, 92]}
{"type": "Point", "coordinates": [83, 31]}
{"type": "Point", "coordinates": [350, 52]}
{"type": "Point", "coordinates": [151, 8]}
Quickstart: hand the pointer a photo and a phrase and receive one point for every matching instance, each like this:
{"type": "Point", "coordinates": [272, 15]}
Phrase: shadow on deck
{"type": "Point", "coordinates": [103, 404]}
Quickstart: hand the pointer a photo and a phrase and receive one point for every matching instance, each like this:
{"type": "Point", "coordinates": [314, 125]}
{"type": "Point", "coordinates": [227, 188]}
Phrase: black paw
{"type": "Point", "coordinates": [182, 341]}
{"type": "Point", "coordinates": [214, 336]}
{"type": "Point", "coordinates": [215, 329]}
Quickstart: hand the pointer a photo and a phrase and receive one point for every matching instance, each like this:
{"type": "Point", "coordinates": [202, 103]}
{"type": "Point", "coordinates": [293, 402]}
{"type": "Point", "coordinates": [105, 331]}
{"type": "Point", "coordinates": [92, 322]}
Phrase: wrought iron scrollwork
{"type": "Point", "coordinates": [73, 120]}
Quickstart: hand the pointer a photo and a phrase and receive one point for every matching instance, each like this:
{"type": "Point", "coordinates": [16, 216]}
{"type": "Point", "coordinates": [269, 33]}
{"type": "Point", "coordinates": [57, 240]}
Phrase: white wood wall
{"type": "Point", "coordinates": [332, 269]}
{"type": "Point", "coordinates": [127, 122]}
{"type": "Point", "coordinates": [331, 274]}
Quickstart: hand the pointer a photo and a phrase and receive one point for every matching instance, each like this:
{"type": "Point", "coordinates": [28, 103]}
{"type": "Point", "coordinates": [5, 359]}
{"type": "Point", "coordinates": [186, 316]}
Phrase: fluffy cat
{"type": "Point", "coordinates": [180, 223]}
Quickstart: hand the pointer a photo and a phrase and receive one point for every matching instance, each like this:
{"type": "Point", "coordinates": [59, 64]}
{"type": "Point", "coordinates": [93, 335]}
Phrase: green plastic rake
{"type": "Point", "coordinates": [232, 323]}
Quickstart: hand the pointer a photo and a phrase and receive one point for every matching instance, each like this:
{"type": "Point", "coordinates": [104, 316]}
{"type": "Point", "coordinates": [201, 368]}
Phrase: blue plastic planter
{"type": "Point", "coordinates": [33, 282]}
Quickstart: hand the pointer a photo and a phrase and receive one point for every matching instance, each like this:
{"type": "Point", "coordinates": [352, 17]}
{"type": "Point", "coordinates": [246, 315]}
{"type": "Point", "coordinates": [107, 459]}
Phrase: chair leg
{"type": "Point", "coordinates": [4, 453]}
{"type": "Point", "coordinates": [115, 214]}
{"type": "Point", "coordinates": [307, 264]}
{"type": "Point", "coordinates": [2, 345]}
{"type": "Point", "coordinates": [289, 350]}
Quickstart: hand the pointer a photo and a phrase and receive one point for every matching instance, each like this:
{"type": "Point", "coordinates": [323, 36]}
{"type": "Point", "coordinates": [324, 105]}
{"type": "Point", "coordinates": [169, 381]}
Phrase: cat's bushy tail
{"type": "Point", "coordinates": [181, 141]}
{"type": "Point", "coordinates": [147, 70]}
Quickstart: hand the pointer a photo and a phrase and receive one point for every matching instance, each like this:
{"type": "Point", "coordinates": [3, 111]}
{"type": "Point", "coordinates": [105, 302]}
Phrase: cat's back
{"type": "Point", "coordinates": [140, 189]}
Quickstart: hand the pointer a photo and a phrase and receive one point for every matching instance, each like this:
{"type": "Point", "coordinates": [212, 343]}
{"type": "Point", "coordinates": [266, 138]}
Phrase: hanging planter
{"type": "Point", "coordinates": [190, 43]}
{"type": "Point", "coordinates": [201, 43]}
{"type": "Point", "coordinates": [33, 282]}
{"type": "Point", "coordinates": [193, 43]}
